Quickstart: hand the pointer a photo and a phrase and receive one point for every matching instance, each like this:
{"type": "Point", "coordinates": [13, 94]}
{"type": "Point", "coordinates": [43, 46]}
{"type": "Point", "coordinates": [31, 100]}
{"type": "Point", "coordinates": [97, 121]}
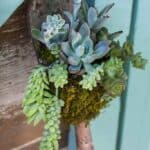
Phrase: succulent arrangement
{"type": "Point", "coordinates": [87, 71]}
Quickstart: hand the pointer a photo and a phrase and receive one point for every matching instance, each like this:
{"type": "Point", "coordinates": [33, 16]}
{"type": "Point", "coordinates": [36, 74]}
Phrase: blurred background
{"type": "Point", "coordinates": [124, 125]}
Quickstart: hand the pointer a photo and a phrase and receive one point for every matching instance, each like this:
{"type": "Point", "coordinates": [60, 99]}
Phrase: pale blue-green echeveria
{"type": "Point", "coordinates": [80, 51]}
{"type": "Point", "coordinates": [53, 31]}
{"type": "Point", "coordinates": [95, 20]}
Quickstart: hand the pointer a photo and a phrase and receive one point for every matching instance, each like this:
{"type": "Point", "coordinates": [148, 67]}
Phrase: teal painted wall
{"type": "Point", "coordinates": [105, 127]}
{"type": "Point", "coordinates": [136, 133]}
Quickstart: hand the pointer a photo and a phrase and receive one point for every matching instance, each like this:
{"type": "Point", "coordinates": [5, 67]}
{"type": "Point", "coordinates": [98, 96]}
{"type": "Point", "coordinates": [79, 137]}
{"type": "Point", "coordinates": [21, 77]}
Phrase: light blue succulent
{"type": "Point", "coordinates": [73, 17]}
{"type": "Point", "coordinates": [53, 31]}
{"type": "Point", "coordinates": [80, 51]}
{"type": "Point", "coordinates": [95, 19]}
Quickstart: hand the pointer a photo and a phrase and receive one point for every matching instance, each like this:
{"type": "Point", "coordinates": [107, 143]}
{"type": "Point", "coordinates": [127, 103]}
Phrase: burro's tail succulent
{"type": "Point", "coordinates": [80, 52]}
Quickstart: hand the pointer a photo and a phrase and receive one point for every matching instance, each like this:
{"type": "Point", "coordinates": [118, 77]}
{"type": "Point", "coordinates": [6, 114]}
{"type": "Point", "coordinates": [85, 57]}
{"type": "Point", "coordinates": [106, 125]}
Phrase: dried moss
{"type": "Point", "coordinates": [80, 104]}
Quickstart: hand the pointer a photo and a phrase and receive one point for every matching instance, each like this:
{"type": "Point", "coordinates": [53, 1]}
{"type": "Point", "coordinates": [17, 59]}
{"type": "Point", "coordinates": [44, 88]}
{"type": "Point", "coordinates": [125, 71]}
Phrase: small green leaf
{"type": "Point", "coordinates": [36, 33]}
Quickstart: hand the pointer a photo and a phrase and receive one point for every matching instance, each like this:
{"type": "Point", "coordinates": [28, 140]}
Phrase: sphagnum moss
{"type": "Point", "coordinates": [80, 104]}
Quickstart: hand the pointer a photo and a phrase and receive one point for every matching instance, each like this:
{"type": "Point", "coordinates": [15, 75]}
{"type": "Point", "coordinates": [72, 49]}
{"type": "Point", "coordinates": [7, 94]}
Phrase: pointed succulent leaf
{"type": "Point", "coordinates": [73, 60]}
{"type": "Point", "coordinates": [36, 33]}
{"type": "Point", "coordinates": [102, 48]}
{"type": "Point", "coordinates": [84, 30]}
{"type": "Point", "coordinates": [114, 35]}
{"type": "Point", "coordinates": [88, 44]}
{"type": "Point", "coordinates": [69, 16]}
{"type": "Point", "coordinates": [84, 7]}
{"type": "Point", "coordinates": [89, 58]}
{"type": "Point", "coordinates": [106, 9]}
{"type": "Point", "coordinates": [74, 69]}
{"type": "Point", "coordinates": [80, 50]}
{"type": "Point", "coordinates": [92, 16]}
{"type": "Point", "coordinates": [66, 27]}
{"type": "Point", "coordinates": [59, 37]}
{"type": "Point", "coordinates": [76, 7]}
{"type": "Point", "coordinates": [66, 48]}
{"type": "Point", "coordinates": [75, 38]}
{"type": "Point", "coordinates": [99, 23]}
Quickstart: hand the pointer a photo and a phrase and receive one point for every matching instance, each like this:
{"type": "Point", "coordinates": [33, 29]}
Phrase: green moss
{"type": "Point", "coordinates": [43, 54]}
{"type": "Point", "coordinates": [80, 104]}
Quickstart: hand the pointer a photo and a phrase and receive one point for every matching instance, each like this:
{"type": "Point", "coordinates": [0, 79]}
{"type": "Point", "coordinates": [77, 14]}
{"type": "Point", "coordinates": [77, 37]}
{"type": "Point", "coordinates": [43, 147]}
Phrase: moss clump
{"type": "Point", "coordinates": [80, 104]}
{"type": "Point", "coordinates": [43, 54]}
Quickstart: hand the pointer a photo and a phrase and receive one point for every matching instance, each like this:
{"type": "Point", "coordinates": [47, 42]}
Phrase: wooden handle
{"type": "Point", "coordinates": [84, 137]}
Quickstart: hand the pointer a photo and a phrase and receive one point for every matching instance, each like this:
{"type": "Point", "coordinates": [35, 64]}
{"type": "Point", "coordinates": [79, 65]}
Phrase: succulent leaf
{"type": "Point", "coordinates": [69, 16]}
{"type": "Point", "coordinates": [84, 30]}
{"type": "Point", "coordinates": [73, 60]}
{"type": "Point", "coordinates": [102, 48]}
{"type": "Point", "coordinates": [114, 35]}
{"type": "Point", "coordinates": [80, 50]}
{"type": "Point", "coordinates": [76, 39]}
{"type": "Point", "coordinates": [106, 10]}
{"type": "Point", "coordinates": [99, 23]}
{"type": "Point", "coordinates": [66, 48]}
{"type": "Point", "coordinates": [88, 44]}
{"type": "Point", "coordinates": [74, 69]}
{"type": "Point", "coordinates": [92, 16]}
{"type": "Point", "coordinates": [36, 33]}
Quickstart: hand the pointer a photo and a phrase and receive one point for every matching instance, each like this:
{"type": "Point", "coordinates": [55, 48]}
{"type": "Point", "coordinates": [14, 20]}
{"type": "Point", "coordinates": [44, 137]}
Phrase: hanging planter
{"type": "Point", "coordinates": [80, 72]}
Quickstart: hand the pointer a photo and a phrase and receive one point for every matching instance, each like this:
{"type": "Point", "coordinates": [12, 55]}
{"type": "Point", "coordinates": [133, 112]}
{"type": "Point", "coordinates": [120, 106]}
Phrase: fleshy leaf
{"type": "Point", "coordinates": [75, 38]}
{"type": "Point", "coordinates": [92, 16]}
{"type": "Point", "coordinates": [102, 48]}
{"type": "Point", "coordinates": [74, 69]}
{"type": "Point", "coordinates": [114, 35]}
{"type": "Point", "coordinates": [99, 23]}
{"type": "Point", "coordinates": [73, 60]}
{"type": "Point", "coordinates": [84, 30]}
{"type": "Point", "coordinates": [106, 10]}
{"type": "Point", "coordinates": [88, 43]}
{"type": "Point", "coordinates": [36, 33]}
{"type": "Point", "coordinates": [66, 48]}
{"type": "Point", "coordinates": [80, 50]}
{"type": "Point", "coordinates": [69, 16]}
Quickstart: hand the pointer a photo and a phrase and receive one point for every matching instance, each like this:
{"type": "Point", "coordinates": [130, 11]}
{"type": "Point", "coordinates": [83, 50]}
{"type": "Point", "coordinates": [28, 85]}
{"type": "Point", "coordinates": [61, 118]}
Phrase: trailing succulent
{"type": "Point", "coordinates": [85, 75]}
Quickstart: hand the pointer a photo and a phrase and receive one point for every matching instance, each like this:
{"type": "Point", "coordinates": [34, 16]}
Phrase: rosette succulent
{"type": "Point", "coordinates": [113, 67]}
{"type": "Point", "coordinates": [80, 51]}
{"type": "Point", "coordinates": [53, 31]}
{"type": "Point", "coordinates": [58, 75]}
{"type": "Point", "coordinates": [90, 80]}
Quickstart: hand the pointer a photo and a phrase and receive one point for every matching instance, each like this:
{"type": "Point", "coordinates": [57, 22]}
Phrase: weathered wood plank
{"type": "Point", "coordinates": [17, 58]}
